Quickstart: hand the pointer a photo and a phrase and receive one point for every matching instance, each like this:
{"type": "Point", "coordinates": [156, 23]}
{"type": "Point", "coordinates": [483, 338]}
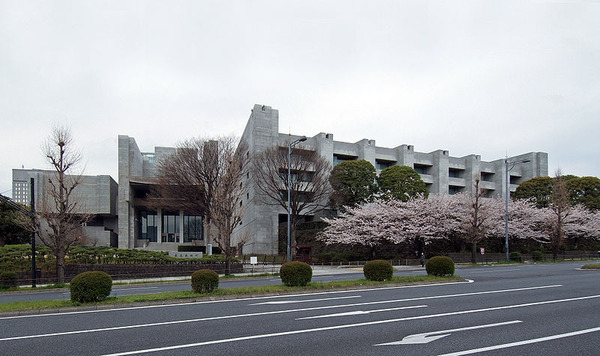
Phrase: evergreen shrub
{"type": "Point", "coordinates": [295, 274]}
{"type": "Point", "coordinates": [91, 286]}
{"type": "Point", "coordinates": [378, 270]}
{"type": "Point", "coordinates": [8, 280]}
{"type": "Point", "coordinates": [204, 280]}
{"type": "Point", "coordinates": [191, 248]}
{"type": "Point", "coordinates": [440, 266]}
{"type": "Point", "coordinates": [516, 257]}
{"type": "Point", "coordinates": [537, 255]}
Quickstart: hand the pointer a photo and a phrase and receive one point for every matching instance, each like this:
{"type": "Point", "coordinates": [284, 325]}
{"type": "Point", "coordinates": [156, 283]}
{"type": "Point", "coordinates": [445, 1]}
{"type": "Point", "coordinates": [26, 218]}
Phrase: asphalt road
{"type": "Point", "coordinates": [506, 310]}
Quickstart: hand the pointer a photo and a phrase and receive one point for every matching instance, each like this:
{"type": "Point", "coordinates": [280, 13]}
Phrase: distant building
{"type": "Point", "coordinates": [96, 195]}
{"type": "Point", "coordinates": [441, 173]}
{"type": "Point", "coordinates": [128, 216]}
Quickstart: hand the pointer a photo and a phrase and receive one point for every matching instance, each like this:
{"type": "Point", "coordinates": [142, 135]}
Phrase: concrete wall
{"type": "Point", "coordinates": [442, 173]}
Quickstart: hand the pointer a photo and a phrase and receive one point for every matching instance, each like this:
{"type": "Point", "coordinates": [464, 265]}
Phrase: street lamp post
{"type": "Point", "coordinates": [507, 167]}
{"type": "Point", "coordinates": [289, 195]}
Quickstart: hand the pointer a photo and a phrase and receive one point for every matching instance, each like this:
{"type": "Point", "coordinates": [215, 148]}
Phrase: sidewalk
{"type": "Point", "coordinates": [250, 270]}
{"type": "Point", "coordinates": [319, 269]}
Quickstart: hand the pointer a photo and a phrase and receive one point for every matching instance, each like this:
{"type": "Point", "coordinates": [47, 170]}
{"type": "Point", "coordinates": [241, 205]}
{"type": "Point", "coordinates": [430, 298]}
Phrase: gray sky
{"type": "Point", "coordinates": [485, 77]}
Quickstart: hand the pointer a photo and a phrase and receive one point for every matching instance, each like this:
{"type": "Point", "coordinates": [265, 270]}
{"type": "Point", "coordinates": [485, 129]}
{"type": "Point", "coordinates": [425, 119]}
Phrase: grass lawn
{"type": "Point", "coordinates": [222, 293]}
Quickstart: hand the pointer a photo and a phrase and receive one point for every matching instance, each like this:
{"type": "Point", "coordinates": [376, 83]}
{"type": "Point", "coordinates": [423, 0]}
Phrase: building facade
{"type": "Point", "coordinates": [442, 173]}
{"type": "Point", "coordinates": [145, 221]}
{"type": "Point", "coordinates": [95, 195]}
{"type": "Point", "coordinates": [128, 215]}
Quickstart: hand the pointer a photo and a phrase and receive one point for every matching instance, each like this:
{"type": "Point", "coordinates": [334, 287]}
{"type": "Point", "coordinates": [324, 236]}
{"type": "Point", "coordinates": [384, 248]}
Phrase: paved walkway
{"type": "Point", "coordinates": [250, 270]}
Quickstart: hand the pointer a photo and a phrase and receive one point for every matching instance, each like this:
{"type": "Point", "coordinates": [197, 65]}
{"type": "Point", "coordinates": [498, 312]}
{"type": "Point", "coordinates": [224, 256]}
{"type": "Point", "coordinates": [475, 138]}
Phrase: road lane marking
{"type": "Point", "coordinates": [428, 337]}
{"type": "Point", "coordinates": [524, 342]}
{"type": "Point", "coordinates": [346, 326]}
{"type": "Point", "coordinates": [280, 302]}
{"type": "Point", "coordinates": [500, 269]}
{"type": "Point", "coordinates": [74, 332]}
{"type": "Point", "coordinates": [134, 288]}
{"type": "Point", "coordinates": [361, 312]}
{"type": "Point", "coordinates": [233, 300]}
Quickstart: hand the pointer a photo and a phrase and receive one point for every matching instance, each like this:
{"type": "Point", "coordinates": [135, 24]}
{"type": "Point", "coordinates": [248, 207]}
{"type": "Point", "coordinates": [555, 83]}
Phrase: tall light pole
{"type": "Point", "coordinates": [289, 195]}
{"type": "Point", "coordinates": [507, 167]}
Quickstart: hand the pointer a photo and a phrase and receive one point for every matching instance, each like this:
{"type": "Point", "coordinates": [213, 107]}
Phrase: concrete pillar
{"type": "Point", "coordinates": [180, 232]}
{"type": "Point", "coordinates": [159, 224]}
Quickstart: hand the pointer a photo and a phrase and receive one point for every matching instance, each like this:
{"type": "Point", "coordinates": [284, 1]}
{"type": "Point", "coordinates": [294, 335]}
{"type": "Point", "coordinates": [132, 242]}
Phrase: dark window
{"type": "Point", "coordinates": [170, 227]}
{"type": "Point", "coordinates": [382, 164]}
{"type": "Point", "coordinates": [192, 228]}
{"type": "Point", "coordinates": [487, 177]}
{"type": "Point", "coordinates": [148, 226]}
{"type": "Point", "coordinates": [421, 168]}
{"type": "Point", "coordinates": [337, 159]}
{"type": "Point", "coordinates": [455, 173]}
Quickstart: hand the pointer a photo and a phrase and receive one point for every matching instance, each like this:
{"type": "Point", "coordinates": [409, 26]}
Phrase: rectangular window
{"type": "Point", "coordinates": [454, 190]}
{"type": "Point", "coordinates": [192, 228]}
{"type": "Point", "coordinates": [421, 168]}
{"type": "Point", "coordinates": [487, 177]}
{"type": "Point", "coordinates": [148, 226]}
{"type": "Point", "coordinates": [170, 227]}
{"type": "Point", "coordinates": [380, 164]}
{"type": "Point", "coordinates": [455, 173]}
{"type": "Point", "coordinates": [337, 159]}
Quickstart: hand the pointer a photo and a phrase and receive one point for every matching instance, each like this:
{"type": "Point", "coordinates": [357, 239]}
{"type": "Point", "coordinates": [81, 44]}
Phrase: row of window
{"type": "Point", "coordinates": [170, 228]}
{"type": "Point", "coordinates": [419, 168]}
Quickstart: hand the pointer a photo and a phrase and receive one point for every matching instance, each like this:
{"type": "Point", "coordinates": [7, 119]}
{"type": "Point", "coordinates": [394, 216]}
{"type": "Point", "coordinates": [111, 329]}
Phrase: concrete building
{"type": "Point", "coordinates": [144, 222]}
{"type": "Point", "coordinates": [442, 173]}
{"type": "Point", "coordinates": [96, 195]}
{"type": "Point", "coordinates": [162, 225]}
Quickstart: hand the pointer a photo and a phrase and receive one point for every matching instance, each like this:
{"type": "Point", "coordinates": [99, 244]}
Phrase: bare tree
{"type": "Point", "coordinates": [309, 189]}
{"type": "Point", "coordinates": [478, 217]}
{"type": "Point", "coordinates": [204, 176]}
{"type": "Point", "coordinates": [61, 215]}
{"type": "Point", "coordinates": [561, 208]}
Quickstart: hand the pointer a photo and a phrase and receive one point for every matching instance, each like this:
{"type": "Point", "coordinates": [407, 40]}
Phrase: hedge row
{"type": "Point", "coordinates": [17, 258]}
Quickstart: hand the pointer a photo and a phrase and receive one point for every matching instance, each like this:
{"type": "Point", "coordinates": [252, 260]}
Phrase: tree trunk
{"type": "Point", "coordinates": [60, 267]}
{"type": "Point", "coordinates": [228, 260]}
{"type": "Point", "coordinates": [474, 252]}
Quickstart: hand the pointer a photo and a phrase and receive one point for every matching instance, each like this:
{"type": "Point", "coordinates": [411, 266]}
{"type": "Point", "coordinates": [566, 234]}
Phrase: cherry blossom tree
{"type": "Point", "coordinates": [575, 224]}
{"type": "Point", "coordinates": [478, 216]}
{"type": "Point", "coordinates": [369, 225]}
{"type": "Point", "coordinates": [465, 216]}
{"type": "Point", "coordinates": [525, 221]}
{"type": "Point", "coordinates": [430, 218]}
{"type": "Point", "coordinates": [393, 221]}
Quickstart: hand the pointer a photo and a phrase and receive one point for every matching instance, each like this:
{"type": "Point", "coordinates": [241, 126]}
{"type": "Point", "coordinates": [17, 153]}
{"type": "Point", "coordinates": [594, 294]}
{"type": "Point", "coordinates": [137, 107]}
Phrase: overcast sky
{"type": "Point", "coordinates": [484, 77]}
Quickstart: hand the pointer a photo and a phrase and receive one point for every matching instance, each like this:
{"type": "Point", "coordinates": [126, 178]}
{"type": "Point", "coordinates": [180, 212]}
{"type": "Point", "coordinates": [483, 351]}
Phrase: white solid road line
{"type": "Point", "coordinates": [524, 342]}
{"type": "Point", "coordinates": [346, 326]}
{"type": "Point", "coordinates": [74, 332]}
{"type": "Point", "coordinates": [236, 300]}
{"type": "Point", "coordinates": [295, 301]}
{"type": "Point", "coordinates": [361, 312]}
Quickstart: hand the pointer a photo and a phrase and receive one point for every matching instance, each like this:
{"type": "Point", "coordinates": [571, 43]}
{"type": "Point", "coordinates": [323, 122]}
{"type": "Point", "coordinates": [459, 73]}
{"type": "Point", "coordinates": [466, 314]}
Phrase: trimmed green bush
{"type": "Point", "coordinates": [8, 280]}
{"type": "Point", "coordinates": [295, 274]}
{"type": "Point", "coordinates": [204, 280]}
{"type": "Point", "coordinates": [378, 270]}
{"type": "Point", "coordinates": [537, 255]}
{"type": "Point", "coordinates": [440, 266]}
{"type": "Point", "coordinates": [516, 257]}
{"type": "Point", "coordinates": [191, 248]}
{"type": "Point", "coordinates": [92, 286]}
